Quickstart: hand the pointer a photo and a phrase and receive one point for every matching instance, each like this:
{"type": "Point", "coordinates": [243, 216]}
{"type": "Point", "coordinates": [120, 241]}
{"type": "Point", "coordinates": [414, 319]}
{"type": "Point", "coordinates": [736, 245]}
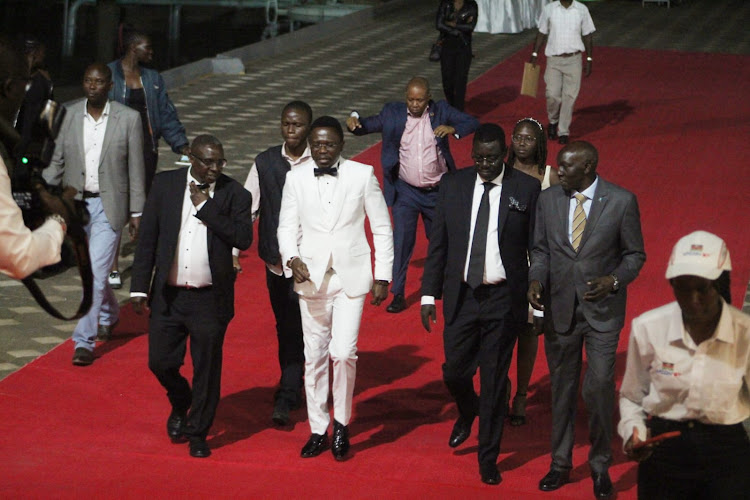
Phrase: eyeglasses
{"type": "Point", "coordinates": [210, 162]}
{"type": "Point", "coordinates": [524, 139]}
{"type": "Point", "coordinates": [486, 159]}
{"type": "Point", "coordinates": [317, 146]}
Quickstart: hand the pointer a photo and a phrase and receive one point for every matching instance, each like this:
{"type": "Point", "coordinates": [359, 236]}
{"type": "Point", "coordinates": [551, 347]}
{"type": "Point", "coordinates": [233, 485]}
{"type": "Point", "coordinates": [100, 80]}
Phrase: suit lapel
{"type": "Point", "coordinates": [78, 118]}
{"type": "Point", "coordinates": [339, 193]}
{"type": "Point", "coordinates": [508, 190]}
{"type": "Point", "coordinates": [597, 206]}
{"type": "Point", "coordinates": [563, 212]}
{"type": "Point", "coordinates": [466, 202]}
{"type": "Point", "coordinates": [109, 132]}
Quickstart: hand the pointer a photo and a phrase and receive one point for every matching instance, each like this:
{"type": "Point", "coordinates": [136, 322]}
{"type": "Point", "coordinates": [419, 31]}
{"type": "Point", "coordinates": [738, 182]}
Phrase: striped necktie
{"type": "Point", "coordinates": [579, 221]}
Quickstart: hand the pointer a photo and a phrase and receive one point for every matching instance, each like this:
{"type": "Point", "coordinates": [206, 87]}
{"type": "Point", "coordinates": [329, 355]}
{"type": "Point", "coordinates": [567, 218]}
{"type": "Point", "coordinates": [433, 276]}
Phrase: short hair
{"type": "Point", "coordinates": [587, 150]}
{"type": "Point", "coordinates": [419, 81]}
{"type": "Point", "coordinates": [328, 122]}
{"type": "Point", "coordinates": [206, 140]}
{"type": "Point", "coordinates": [129, 35]}
{"type": "Point", "coordinates": [100, 67]}
{"type": "Point", "coordinates": [540, 154]}
{"type": "Point", "coordinates": [299, 106]}
{"type": "Point", "coordinates": [489, 132]}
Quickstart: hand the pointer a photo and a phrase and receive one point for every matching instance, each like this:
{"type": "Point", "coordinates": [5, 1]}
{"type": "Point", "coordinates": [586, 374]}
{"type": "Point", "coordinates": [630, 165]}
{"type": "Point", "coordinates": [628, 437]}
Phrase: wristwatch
{"type": "Point", "coordinates": [616, 284]}
{"type": "Point", "coordinates": [59, 218]}
{"type": "Point", "coordinates": [289, 262]}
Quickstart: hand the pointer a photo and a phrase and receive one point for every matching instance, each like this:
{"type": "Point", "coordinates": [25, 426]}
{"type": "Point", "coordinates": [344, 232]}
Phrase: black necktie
{"type": "Point", "coordinates": [475, 276]}
{"type": "Point", "coordinates": [203, 186]}
{"type": "Point", "coordinates": [332, 171]}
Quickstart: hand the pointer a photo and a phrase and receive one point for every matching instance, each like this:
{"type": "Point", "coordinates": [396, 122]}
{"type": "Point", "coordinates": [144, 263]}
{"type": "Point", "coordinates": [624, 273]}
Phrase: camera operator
{"type": "Point", "coordinates": [22, 251]}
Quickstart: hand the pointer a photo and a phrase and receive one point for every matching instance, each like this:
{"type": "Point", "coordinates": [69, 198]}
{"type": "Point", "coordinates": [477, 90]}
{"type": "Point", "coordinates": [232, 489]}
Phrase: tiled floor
{"type": "Point", "coordinates": [360, 68]}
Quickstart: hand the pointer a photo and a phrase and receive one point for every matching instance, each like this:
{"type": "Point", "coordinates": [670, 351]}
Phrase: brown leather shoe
{"type": "Point", "coordinates": [83, 357]}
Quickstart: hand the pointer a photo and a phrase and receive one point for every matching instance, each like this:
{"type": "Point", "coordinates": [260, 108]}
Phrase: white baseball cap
{"type": "Point", "coordinates": [699, 254]}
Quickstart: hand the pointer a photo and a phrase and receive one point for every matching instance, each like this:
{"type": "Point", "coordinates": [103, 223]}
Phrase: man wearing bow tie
{"type": "Point", "coordinates": [477, 262]}
{"type": "Point", "coordinates": [322, 240]}
{"type": "Point", "coordinates": [192, 220]}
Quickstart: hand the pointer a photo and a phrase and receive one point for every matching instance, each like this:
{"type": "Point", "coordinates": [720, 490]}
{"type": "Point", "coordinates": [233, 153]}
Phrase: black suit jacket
{"type": "Point", "coordinates": [227, 216]}
{"type": "Point", "coordinates": [449, 241]}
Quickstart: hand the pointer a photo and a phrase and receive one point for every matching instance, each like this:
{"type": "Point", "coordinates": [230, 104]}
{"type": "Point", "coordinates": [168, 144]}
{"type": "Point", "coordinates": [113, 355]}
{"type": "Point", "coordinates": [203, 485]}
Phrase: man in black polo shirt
{"type": "Point", "coordinates": [266, 182]}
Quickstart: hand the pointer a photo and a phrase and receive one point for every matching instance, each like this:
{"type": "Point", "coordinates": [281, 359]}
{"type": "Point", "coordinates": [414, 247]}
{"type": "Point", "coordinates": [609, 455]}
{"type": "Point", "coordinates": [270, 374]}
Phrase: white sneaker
{"type": "Point", "coordinates": [115, 282]}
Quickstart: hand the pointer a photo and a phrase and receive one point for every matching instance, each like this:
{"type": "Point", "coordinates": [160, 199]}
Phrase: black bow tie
{"type": "Point", "coordinates": [203, 186]}
{"type": "Point", "coordinates": [332, 171]}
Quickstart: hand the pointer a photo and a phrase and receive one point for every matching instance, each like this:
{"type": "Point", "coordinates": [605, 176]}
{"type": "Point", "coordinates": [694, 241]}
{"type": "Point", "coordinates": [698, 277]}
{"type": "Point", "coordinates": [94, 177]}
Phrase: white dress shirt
{"type": "Point", "coordinates": [565, 27]}
{"type": "Point", "coordinates": [93, 137]}
{"type": "Point", "coordinates": [494, 271]}
{"type": "Point", "coordinates": [667, 375]}
{"type": "Point", "coordinates": [589, 194]}
{"type": "Point", "coordinates": [191, 267]}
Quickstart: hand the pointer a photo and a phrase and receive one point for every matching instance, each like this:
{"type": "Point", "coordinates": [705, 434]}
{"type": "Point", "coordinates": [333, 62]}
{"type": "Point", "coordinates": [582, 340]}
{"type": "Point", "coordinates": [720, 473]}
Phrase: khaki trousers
{"type": "Point", "coordinates": [563, 80]}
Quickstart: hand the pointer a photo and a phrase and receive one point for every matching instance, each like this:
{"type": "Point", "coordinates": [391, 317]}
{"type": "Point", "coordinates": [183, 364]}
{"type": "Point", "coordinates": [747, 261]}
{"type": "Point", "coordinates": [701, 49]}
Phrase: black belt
{"type": "Point", "coordinates": [191, 288]}
{"type": "Point", "coordinates": [89, 194]}
{"type": "Point", "coordinates": [430, 189]}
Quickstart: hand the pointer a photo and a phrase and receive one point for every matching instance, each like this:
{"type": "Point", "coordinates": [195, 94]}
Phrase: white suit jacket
{"type": "Point", "coordinates": [339, 239]}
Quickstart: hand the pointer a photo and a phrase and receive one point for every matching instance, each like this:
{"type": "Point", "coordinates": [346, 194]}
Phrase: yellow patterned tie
{"type": "Point", "coordinates": [579, 221]}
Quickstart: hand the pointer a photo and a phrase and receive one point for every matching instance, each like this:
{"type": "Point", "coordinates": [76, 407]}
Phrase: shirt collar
{"type": "Point", "coordinates": [305, 155]}
{"type": "Point", "coordinates": [426, 112]}
{"type": "Point", "coordinates": [86, 110]}
{"type": "Point", "coordinates": [197, 182]}
{"type": "Point", "coordinates": [590, 191]}
{"type": "Point", "coordinates": [498, 181]}
{"type": "Point", "coordinates": [724, 331]}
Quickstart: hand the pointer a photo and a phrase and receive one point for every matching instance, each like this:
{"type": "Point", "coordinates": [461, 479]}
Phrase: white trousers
{"type": "Point", "coordinates": [563, 82]}
{"type": "Point", "coordinates": [330, 327]}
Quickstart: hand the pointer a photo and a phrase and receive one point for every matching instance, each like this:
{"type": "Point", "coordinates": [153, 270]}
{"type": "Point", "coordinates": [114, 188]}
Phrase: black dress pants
{"type": "Point", "coordinates": [483, 334]}
{"type": "Point", "coordinates": [191, 314]}
{"type": "Point", "coordinates": [285, 305]}
{"type": "Point", "coordinates": [455, 60]}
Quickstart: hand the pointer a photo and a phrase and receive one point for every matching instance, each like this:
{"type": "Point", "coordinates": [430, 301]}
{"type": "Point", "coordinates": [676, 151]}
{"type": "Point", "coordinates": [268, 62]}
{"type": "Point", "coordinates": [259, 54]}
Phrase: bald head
{"type": "Point", "coordinates": [585, 150]}
{"type": "Point", "coordinates": [576, 166]}
{"type": "Point", "coordinates": [419, 82]}
{"type": "Point", "coordinates": [417, 95]}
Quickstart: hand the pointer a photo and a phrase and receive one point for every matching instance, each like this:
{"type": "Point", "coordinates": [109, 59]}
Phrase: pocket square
{"type": "Point", "coordinates": [516, 205]}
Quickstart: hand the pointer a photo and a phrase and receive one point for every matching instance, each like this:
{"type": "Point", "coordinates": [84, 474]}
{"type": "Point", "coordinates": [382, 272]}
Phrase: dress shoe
{"type": "Point", "coordinates": [83, 357]}
{"type": "Point", "coordinates": [104, 332]}
{"type": "Point", "coordinates": [552, 131]}
{"type": "Point", "coordinates": [315, 445]}
{"type": "Point", "coordinates": [174, 426]}
{"type": "Point", "coordinates": [340, 445]}
{"type": "Point", "coordinates": [460, 433]}
{"type": "Point", "coordinates": [564, 139]}
{"type": "Point", "coordinates": [602, 484]}
{"type": "Point", "coordinates": [199, 448]}
{"type": "Point", "coordinates": [517, 414]}
{"type": "Point", "coordinates": [554, 480]}
{"type": "Point", "coordinates": [397, 305]}
{"type": "Point", "coordinates": [280, 415]}
{"type": "Point", "coordinates": [490, 474]}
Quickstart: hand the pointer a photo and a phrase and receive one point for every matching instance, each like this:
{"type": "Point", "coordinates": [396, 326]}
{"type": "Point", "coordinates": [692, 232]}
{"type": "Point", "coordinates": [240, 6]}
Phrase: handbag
{"type": "Point", "coordinates": [436, 49]}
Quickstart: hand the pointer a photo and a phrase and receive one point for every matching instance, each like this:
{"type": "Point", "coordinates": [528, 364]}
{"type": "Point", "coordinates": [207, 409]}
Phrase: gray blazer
{"type": "Point", "coordinates": [122, 176]}
{"type": "Point", "coordinates": [612, 244]}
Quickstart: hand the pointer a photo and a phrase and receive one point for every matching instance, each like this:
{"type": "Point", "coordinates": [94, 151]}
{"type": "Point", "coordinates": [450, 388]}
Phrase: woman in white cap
{"type": "Point", "coordinates": [686, 384]}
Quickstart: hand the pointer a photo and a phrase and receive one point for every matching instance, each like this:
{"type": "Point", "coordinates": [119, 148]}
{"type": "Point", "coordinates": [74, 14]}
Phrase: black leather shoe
{"type": "Point", "coordinates": [552, 131]}
{"type": "Point", "coordinates": [280, 415]}
{"type": "Point", "coordinates": [340, 445]}
{"type": "Point", "coordinates": [460, 433]}
{"type": "Point", "coordinates": [602, 484]}
{"type": "Point", "coordinates": [490, 474]}
{"type": "Point", "coordinates": [104, 332]}
{"type": "Point", "coordinates": [83, 357]}
{"type": "Point", "coordinates": [564, 139]}
{"type": "Point", "coordinates": [314, 446]}
{"type": "Point", "coordinates": [554, 480]}
{"type": "Point", "coordinates": [397, 305]}
{"type": "Point", "coordinates": [199, 448]}
{"type": "Point", "coordinates": [174, 426]}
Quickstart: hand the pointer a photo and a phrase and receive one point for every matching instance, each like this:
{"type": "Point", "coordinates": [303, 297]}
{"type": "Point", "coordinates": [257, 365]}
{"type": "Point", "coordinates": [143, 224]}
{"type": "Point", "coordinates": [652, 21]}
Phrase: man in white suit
{"type": "Point", "coordinates": [322, 239]}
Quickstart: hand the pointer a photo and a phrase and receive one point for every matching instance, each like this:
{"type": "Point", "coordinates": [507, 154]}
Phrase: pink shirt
{"type": "Point", "coordinates": [421, 162]}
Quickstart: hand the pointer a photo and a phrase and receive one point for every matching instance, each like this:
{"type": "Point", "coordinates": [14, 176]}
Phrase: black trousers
{"type": "Point", "coordinates": [706, 462]}
{"type": "Point", "coordinates": [191, 315]}
{"type": "Point", "coordinates": [455, 61]}
{"type": "Point", "coordinates": [285, 305]}
{"type": "Point", "coordinates": [150, 161]}
{"type": "Point", "coordinates": [483, 334]}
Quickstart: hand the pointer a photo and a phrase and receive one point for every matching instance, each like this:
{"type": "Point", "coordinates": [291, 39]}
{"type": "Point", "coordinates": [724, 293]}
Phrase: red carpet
{"type": "Point", "coordinates": [669, 126]}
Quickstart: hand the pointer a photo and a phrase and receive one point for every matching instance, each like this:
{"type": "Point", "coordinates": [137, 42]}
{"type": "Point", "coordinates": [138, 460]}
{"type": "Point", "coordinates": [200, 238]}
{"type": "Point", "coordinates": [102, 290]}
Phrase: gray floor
{"type": "Point", "coordinates": [361, 68]}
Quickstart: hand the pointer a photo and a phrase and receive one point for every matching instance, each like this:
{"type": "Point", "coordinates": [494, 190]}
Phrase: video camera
{"type": "Point", "coordinates": [38, 125]}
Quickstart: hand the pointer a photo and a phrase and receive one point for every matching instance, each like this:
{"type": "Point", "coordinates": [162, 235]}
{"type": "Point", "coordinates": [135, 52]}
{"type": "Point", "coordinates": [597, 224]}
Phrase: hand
{"type": "Point", "coordinates": [428, 313]}
{"type": "Point", "coordinates": [185, 150]}
{"type": "Point", "coordinates": [135, 224]}
{"type": "Point", "coordinates": [452, 24]}
{"type": "Point", "coordinates": [196, 195]}
{"type": "Point", "coordinates": [139, 304]}
{"type": "Point", "coordinates": [236, 264]}
{"type": "Point", "coordinates": [587, 69]}
{"type": "Point", "coordinates": [444, 130]}
{"type": "Point", "coordinates": [353, 123]}
{"type": "Point", "coordinates": [60, 205]}
{"type": "Point", "coordinates": [639, 454]}
{"type": "Point", "coordinates": [599, 288]}
{"type": "Point", "coordinates": [299, 270]}
{"type": "Point", "coordinates": [532, 60]}
{"type": "Point", "coordinates": [534, 295]}
{"type": "Point", "coordinates": [379, 293]}
{"type": "Point", "coordinates": [537, 325]}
